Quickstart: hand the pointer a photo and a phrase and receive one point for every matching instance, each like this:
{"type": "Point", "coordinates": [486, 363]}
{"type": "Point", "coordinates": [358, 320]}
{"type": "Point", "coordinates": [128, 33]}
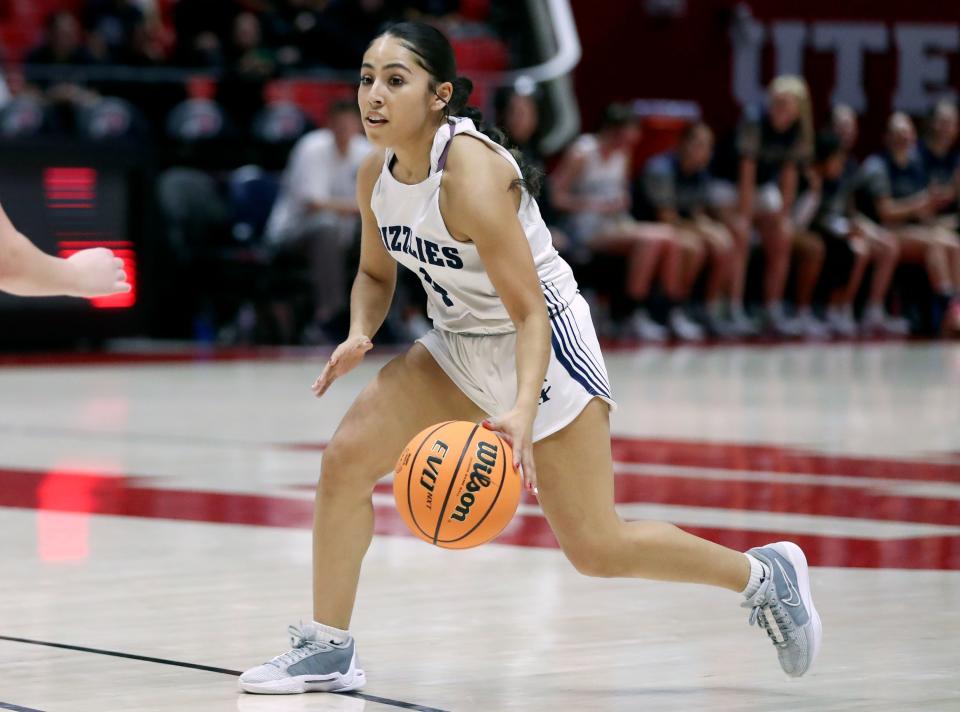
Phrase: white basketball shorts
{"type": "Point", "coordinates": [484, 368]}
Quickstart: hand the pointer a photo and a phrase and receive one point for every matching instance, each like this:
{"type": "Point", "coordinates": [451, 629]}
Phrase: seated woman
{"type": "Point", "coordinates": [849, 245]}
{"type": "Point", "coordinates": [673, 190]}
{"type": "Point", "coordinates": [518, 114]}
{"type": "Point", "coordinates": [893, 190]}
{"type": "Point", "coordinates": [773, 144]}
{"type": "Point", "coordinates": [591, 185]}
{"type": "Point", "coordinates": [941, 160]}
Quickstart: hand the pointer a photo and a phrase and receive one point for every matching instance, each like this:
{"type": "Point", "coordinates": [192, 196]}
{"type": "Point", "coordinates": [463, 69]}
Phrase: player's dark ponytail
{"type": "Point", "coordinates": [434, 53]}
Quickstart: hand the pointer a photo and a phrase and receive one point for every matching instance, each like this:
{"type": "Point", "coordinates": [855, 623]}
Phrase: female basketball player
{"type": "Point", "coordinates": [29, 272]}
{"type": "Point", "coordinates": [511, 337]}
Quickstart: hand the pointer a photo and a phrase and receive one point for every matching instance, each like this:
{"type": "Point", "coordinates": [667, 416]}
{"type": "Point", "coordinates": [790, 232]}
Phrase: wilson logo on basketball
{"type": "Point", "coordinates": [428, 478]}
{"type": "Point", "coordinates": [486, 458]}
{"type": "Point", "coordinates": [454, 486]}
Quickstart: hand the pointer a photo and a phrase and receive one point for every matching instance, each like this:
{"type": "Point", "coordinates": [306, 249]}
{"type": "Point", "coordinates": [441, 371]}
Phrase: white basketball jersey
{"type": "Point", "coordinates": [460, 296]}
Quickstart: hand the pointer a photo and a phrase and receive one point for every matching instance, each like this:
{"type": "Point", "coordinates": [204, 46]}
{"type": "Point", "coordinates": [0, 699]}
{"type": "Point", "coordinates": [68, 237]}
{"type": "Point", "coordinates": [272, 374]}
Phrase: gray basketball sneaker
{"type": "Point", "coordinates": [312, 665]}
{"type": "Point", "coordinates": [784, 607]}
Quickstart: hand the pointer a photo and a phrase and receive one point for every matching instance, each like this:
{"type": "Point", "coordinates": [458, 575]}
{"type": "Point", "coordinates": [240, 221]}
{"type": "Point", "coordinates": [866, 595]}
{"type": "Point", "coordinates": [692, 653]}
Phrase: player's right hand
{"type": "Point", "coordinates": [97, 272]}
{"type": "Point", "coordinates": [344, 359]}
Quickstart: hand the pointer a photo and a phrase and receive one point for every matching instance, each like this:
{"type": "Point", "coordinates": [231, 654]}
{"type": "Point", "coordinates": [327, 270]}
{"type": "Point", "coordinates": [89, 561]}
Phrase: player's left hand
{"type": "Point", "coordinates": [516, 428]}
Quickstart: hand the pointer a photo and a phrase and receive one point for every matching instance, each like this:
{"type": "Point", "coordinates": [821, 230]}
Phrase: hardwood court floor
{"type": "Point", "coordinates": [161, 509]}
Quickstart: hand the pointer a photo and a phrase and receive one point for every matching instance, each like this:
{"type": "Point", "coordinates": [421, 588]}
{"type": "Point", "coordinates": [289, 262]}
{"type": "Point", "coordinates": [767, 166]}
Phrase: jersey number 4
{"type": "Point", "coordinates": [437, 288]}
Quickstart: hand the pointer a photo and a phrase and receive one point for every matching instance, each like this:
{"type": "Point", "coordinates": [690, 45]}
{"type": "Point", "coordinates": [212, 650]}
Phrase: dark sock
{"type": "Point", "coordinates": [941, 302]}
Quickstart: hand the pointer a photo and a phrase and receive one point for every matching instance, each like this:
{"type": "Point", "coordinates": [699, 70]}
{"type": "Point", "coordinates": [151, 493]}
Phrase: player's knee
{"type": "Point", "coordinates": [591, 559]}
{"type": "Point", "coordinates": [598, 554]}
{"type": "Point", "coordinates": [342, 459]}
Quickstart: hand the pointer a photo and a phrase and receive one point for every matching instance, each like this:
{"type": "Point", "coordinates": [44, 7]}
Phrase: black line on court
{"type": "Point", "coordinates": [17, 708]}
{"type": "Point", "coordinates": [193, 666]}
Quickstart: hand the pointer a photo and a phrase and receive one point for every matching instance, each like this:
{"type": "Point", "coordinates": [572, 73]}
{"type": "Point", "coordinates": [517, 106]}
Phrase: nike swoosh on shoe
{"type": "Point", "coordinates": [794, 599]}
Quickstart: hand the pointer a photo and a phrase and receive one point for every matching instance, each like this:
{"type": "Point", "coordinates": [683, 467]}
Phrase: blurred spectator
{"type": "Point", "coordinates": [850, 244]}
{"type": "Point", "coordinates": [674, 190]}
{"type": "Point", "coordinates": [146, 45]}
{"type": "Point", "coordinates": [195, 218]}
{"type": "Point", "coordinates": [811, 253]}
{"type": "Point", "coordinates": [941, 158]}
{"type": "Point", "coordinates": [5, 95]}
{"type": "Point", "coordinates": [518, 115]}
{"type": "Point", "coordinates": [280, 123]}
{"type": "Point", "coordinates": [110, 26]}
{"type": "Point", "coordinates": [246, 54]}
{"type": "Point", "coordinates": [443, 13]}
{"type": "Point", "coordinates": [289, 27]}
{"type": "Point", "coordinates": [62, 43]}
{"type": "Point", "coordinates": [200, 27]}
{"type": "Point", "coordinates": [772, 143]}
{"type": "Point", "coordinates": [845, 125]}
{"type": "Point", "coordinates": [248, 64]}
{"type": "Point", "coordinates": [316, 215]}
{"type": "Point", "coordinates": [346, 27]}
{"type": "Point", "coordinates": [62, 48]}
{"type": "Point", "coordinates": [882, 244]}
{"type": "Point", "coordinates": [894, 191]}
{"type": "Point", "coordinates": [591, 185]}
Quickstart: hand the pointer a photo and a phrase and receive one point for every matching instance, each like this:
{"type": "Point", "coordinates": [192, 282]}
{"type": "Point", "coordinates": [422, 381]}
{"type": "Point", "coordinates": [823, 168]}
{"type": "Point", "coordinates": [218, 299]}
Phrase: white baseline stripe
{"type": "Point", "coordinates": [755, 521]}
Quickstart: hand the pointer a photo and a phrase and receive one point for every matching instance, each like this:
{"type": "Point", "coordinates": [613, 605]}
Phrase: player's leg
{"type": "Point", "coordinates": [575, 479]}
{"type": "Point", "coordinates": [575, 482]}
{"type": "Point", "coordinates": [408, 394]}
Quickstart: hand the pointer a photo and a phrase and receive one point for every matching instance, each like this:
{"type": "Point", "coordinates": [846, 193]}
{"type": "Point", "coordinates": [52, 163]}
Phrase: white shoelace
{"type": "Point", "coordinates": [767, 612]}
{"type": "Point", "coordinates": [302, 647]}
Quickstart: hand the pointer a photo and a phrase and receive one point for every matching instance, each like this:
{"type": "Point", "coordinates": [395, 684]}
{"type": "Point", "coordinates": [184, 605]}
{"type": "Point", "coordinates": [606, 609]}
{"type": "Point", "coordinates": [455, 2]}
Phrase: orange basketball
{"type": "Point", "coordinates": [455, 485]}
